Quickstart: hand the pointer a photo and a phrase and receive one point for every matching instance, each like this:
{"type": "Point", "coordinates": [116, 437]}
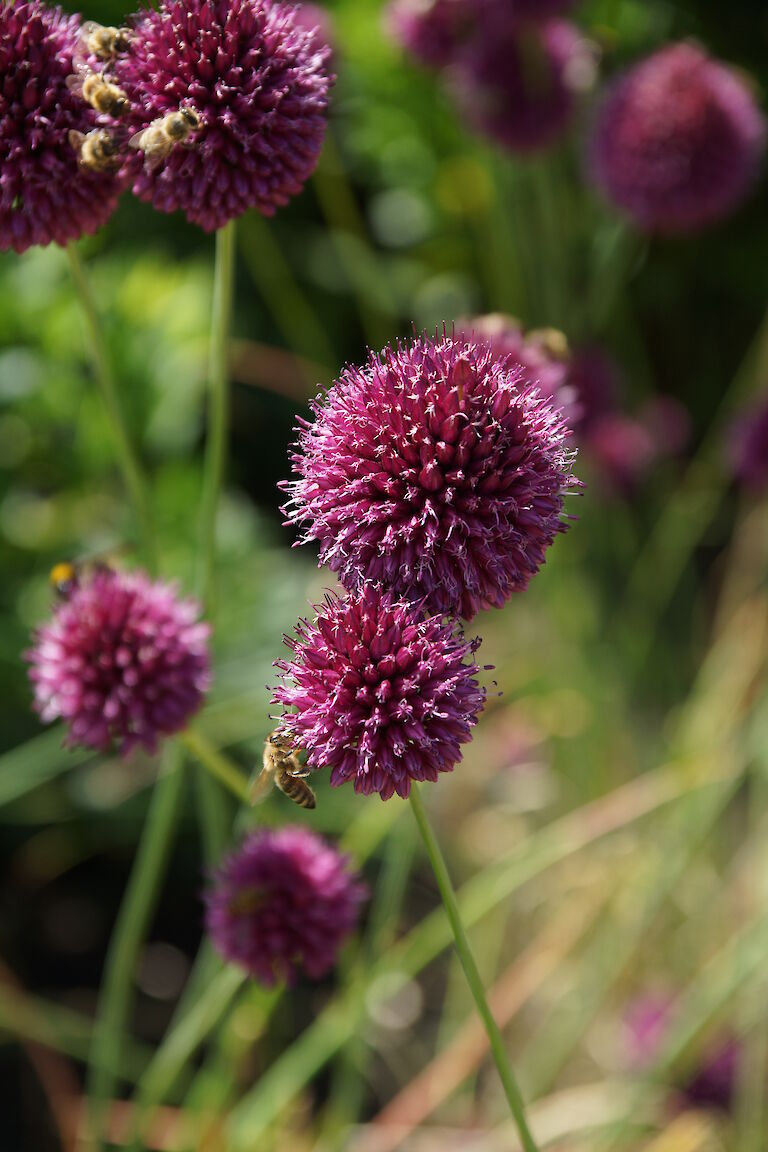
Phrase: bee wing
{"type": "Point", "coordinates": [75, 139]}
{"type": "Point", "coordinates": [75, 83]}
{"type": "Point", "coordinates": [89, 27]}
{"type": "Point", "coordinates": [260, 785]}
{"type": "Point", "coordinates": [137, 140]}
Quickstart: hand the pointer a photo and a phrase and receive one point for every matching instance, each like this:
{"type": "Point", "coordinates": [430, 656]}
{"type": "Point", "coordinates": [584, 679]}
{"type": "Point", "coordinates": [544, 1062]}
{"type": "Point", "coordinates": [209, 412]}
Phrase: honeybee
{"type": "Point", "coordinates": [103, 42]}
{"type": "Point", "coordinates": [283, 768]}
{"type": "Point", "coordinates": [100, 93]}
{"type": "Point", "coordinates": [98, 149]}
{"type": "Point", "coordinates": [157, 141]}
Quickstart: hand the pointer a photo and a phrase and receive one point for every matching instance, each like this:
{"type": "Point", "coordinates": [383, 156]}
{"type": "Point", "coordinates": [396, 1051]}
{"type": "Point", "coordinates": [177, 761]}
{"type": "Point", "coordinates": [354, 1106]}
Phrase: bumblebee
{"type": "Point", "coordinates": [64, 579]}
{"type": "Point", "coordinates": [282, 767]}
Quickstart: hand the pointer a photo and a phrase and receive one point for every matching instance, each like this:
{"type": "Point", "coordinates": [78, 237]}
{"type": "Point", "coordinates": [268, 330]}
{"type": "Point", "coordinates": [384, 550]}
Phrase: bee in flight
{"type": "Point", "coordinates": [283, 768]}
{"type": "Point", "coordinates": [100, 93]}
{"type": "Point", "coordinates": [102, 42]}
{"type": "Point", "coordinates": [98, 150]}
{"type": "Point", "coordinates": [157, 140]}
{"type": "Point", "coordinates": [65, 577]}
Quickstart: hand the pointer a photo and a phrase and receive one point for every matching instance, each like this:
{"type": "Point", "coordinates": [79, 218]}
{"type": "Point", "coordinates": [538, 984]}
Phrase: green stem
{"type": "Point", "coordinates": [133, 920]}
{"type": "Point", "coordinates": [126, 455]}
{"type": "Point", "coordinates": [474, 981]}
{"type": "Point", "coordinates": [218, 407]}
{"type": "Point", "coordinates": [217, 764]}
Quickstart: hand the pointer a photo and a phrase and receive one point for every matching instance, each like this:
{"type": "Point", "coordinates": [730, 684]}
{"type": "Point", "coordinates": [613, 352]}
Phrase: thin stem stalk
{"type": "Point", "coordinates": [495, 1038]}
{"type": "Point", "coordinates": [218, 408]}
{"type": "Point", "coordinates": [133, 919]}
{"type": "Point", "coordinates": [127, 458]}
{"type": "Point", "coordinates": [217, 764]}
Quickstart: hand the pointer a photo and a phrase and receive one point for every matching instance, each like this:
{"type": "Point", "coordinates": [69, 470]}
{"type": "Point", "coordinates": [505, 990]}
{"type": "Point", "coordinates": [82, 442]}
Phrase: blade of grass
{"type": "Point", "coordinates": [133, 920]}
{"type": "Point", "coordinates": [41, 759]}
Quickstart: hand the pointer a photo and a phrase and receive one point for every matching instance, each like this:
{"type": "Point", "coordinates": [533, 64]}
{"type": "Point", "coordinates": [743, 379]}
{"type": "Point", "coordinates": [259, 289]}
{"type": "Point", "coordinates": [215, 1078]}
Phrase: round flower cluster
{"type": "Point", "coordinates": [678, 142]}
{"type": "Point", "coordinates": [45, 193]}
{"type": "Point", "coordinates": [383, 695]}
{"type": "Point", "coordinates": [122, 661]}
{"type": "Point", "coordinates": [437, 472]}
{"type": "Point", "coordinates": [282, 905]}
{"type": "Point", "coordinates": [515, 69]}
{"type": "Point", "coordinates": [518, 82]}
{"type": "Point", "coordinates": [433, 479]}
{"type": "Point", "coordinates": [256, 79]}
{"type": "Point", "coordinates": [221, 108]}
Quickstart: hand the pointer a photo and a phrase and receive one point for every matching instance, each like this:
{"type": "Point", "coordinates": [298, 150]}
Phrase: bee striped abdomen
{"type": "Point", "coordinates": [296, 789]}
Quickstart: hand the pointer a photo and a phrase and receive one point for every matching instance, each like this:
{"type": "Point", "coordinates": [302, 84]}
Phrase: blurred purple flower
{"type": "Point", "coordinates": [435, 471]}
{"type": "Point", "coordinates": [747, 446]}
{"type": "Point", "coordinates": [259, 81]}
{"type": "Point", "coordinates": [45, 193]}
{"type": "Point", "coordinates": [711, 1083]}
{"type": "Point", "coordinates": [432, 30]}
{"type": "Point", "coordinates": [122, 660]}
{"type": "Point", "coordinates": [622, 447]}
{"type": "Point", "coordinates": [381, 694]}
{"type": "Point", "coordinates": [282, 905]}
{"type": "Point", "coordinates": [678, 142]}
{"type": "Point", "coordinates": [518, 82]}
{"type": "Point", "coordinates": [542, 353]}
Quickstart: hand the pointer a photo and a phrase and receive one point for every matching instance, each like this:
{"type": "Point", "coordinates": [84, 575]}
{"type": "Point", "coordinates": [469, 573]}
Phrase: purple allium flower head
{"type": "Point", "coordinates": [432, 30]}
{"type": "Point", "coordinates": [45, 193]}
{"type": "Point", "coordinates": [122, 661]}
{"type": "Point", "coordinates": [382, 694]}
{"type": "Point", "coordinates": [283, 904]}
{"type": "Point", "coordinates": [436, 471]}
{"type": "Point", "coordinates": [258, 80]}
{"type": "Point", "coordinates": [518, 82]}
{"type": "Point", "coordinates": [747, 446]}
{"type": "Point", "coordinates": [678, 142]}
